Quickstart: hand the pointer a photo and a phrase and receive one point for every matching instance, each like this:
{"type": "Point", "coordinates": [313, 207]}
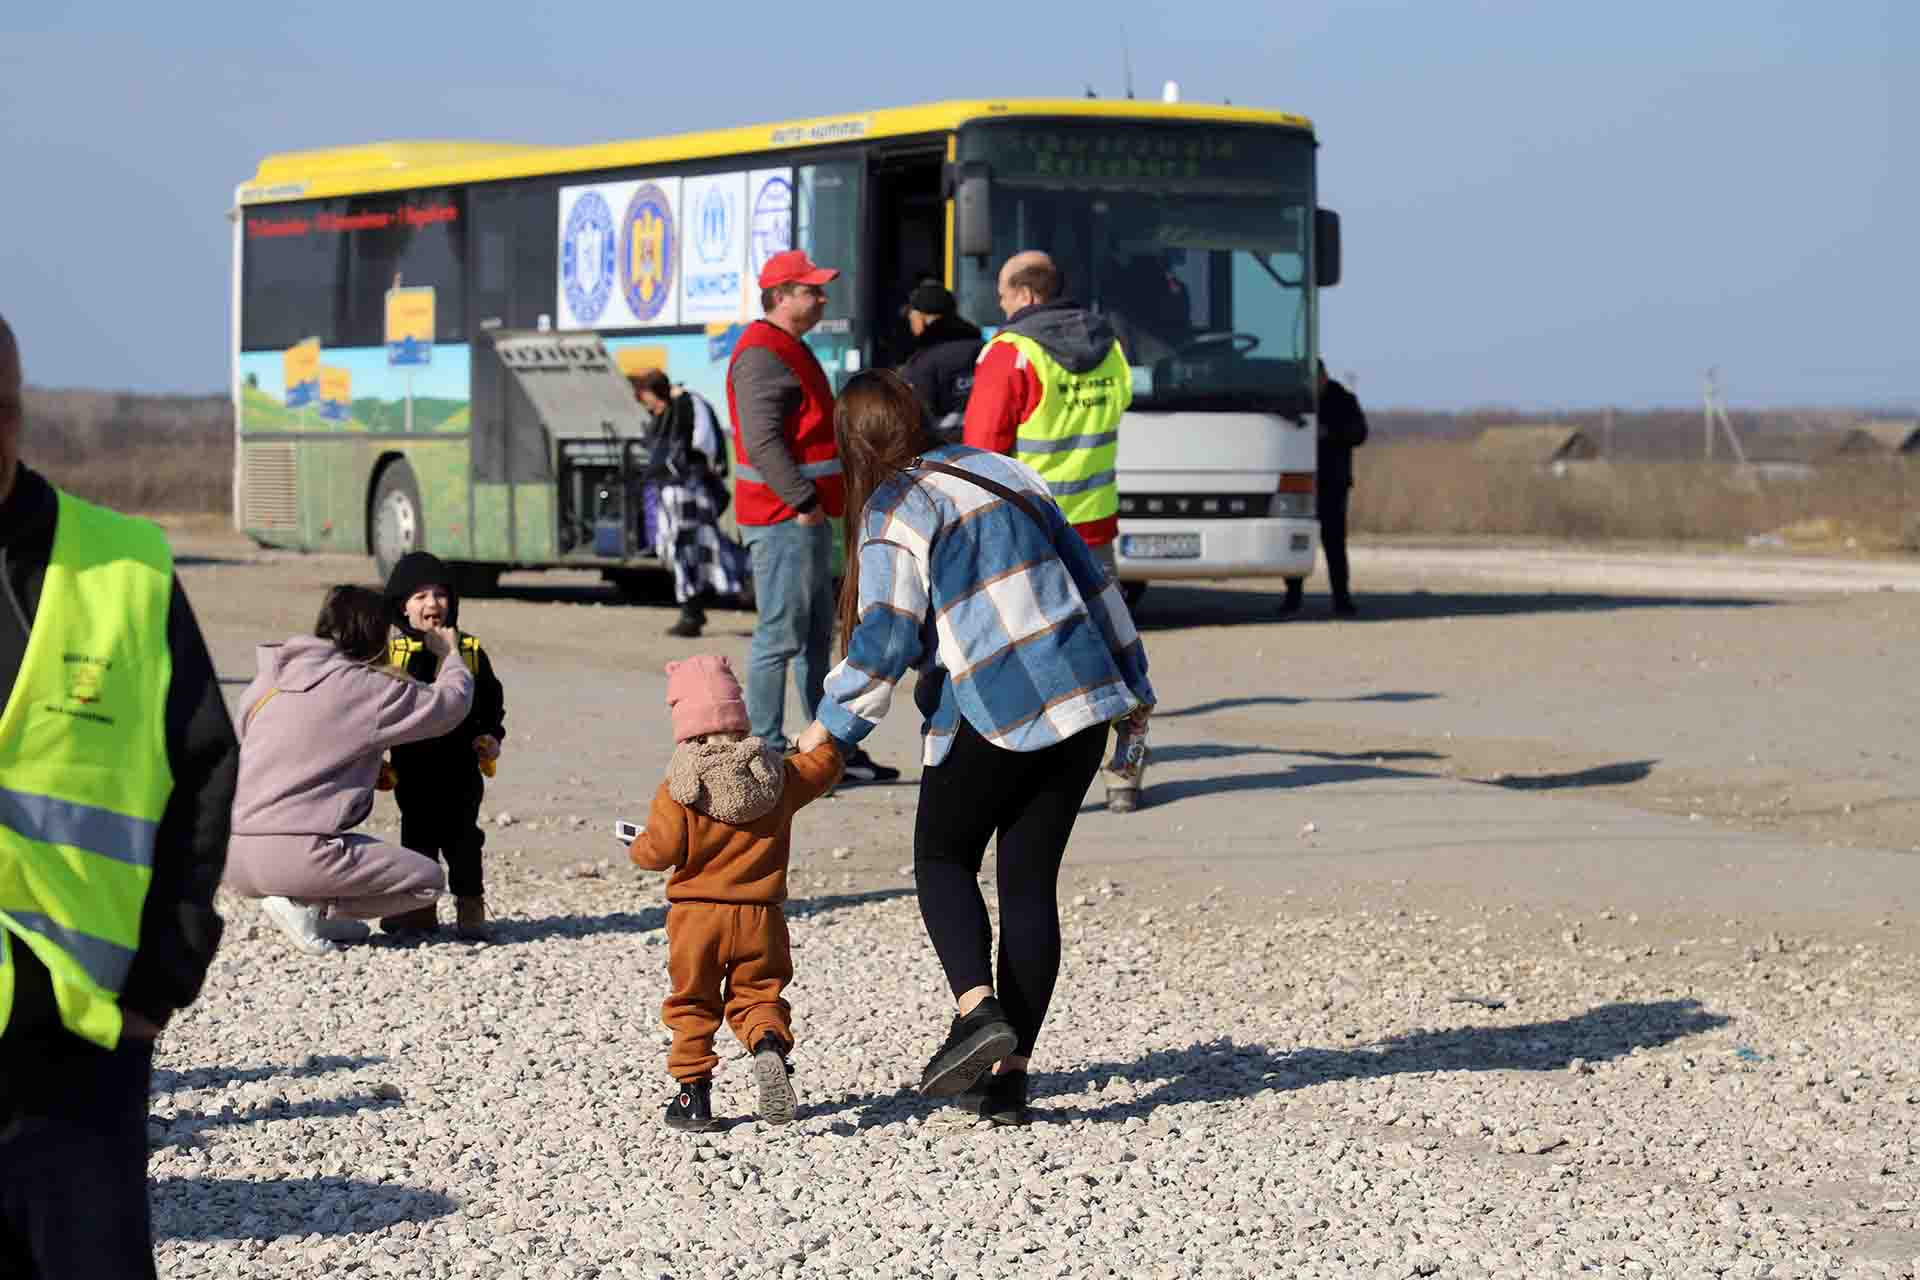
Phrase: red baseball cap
{"type": "Point", "coordinates": [793, 267]}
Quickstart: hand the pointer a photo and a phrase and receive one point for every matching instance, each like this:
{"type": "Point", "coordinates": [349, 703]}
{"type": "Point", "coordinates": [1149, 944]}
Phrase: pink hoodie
{"type": "Point", "coordinates": [310, 753]}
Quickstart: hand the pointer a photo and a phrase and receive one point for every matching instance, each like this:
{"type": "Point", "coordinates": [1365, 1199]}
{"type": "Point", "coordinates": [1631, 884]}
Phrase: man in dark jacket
{"type": "Point", "coordinates": [945, 347]}
{"type": "Point", "coordinates": [73, 1115]}
{"type": "Point", "coordinates": [1343, 428]}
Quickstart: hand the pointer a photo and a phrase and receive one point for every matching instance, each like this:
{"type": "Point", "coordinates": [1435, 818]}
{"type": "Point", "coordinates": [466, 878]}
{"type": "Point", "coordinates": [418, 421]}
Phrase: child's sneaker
{"type": "Point", "coordinates": [976, 1041]}
{"type": "Point", "coordinates": [691, 1110]}
{"type": "Point", "coordinates": [300, 922]}
{"type": "Point", "coordinates": [772, 1073]}
{"type": "Point", "coordinates": [1001, 1098]}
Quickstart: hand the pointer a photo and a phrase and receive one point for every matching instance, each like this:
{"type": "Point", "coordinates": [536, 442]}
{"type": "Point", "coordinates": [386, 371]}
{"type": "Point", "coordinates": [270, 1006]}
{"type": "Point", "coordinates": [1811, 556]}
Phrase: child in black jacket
{"type": "Point", "coordinates": [438, 782]}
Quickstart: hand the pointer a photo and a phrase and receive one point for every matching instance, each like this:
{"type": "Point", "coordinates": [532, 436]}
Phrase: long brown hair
{"type": "Point", "coordinates": [880, 428]}
{"type": "Point", "coordinates": [355, 619]}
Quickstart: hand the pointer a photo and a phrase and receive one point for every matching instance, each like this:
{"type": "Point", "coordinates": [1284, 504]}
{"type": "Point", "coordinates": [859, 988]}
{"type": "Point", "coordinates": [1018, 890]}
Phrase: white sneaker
{"type": "Point", "coordinates": [301, 924]}
{"type": "Point", "coordinates": [343, 929]}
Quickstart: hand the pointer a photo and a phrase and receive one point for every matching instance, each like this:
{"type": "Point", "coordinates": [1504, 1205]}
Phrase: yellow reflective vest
{"type": "Point", "coordinates": [400, 651]}
{"type": "Point", "coordinates": [84, 776]}
{"type": "Point", "coordinates": [1072, 437]}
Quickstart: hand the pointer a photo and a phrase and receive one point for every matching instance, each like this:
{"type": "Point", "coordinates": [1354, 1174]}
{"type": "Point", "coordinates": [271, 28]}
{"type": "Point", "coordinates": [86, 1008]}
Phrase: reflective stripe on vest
{"type": "Point", "coordinates": [84, 776]}
{"type": "Point", "coordinates": [1072, 437]}
{"type": "Point", "coordinates": [811, 470]}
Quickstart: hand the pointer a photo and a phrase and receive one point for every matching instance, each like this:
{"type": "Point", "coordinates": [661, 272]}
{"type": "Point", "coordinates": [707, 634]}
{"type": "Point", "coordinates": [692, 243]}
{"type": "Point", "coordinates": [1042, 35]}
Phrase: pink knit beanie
{"type": "Point", "coordinates": [704, 697]}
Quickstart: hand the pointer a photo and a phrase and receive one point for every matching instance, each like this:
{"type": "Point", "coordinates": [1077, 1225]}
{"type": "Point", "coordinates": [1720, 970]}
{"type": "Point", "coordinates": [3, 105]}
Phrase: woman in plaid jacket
{"type": "Point", "coordinates": [960, 566]}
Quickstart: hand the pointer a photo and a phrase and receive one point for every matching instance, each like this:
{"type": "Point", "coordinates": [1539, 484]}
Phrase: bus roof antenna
{"type": "Point", "coordinates": [1126, 62]}
{"type": "Point", "coordinates": [1090, 92]}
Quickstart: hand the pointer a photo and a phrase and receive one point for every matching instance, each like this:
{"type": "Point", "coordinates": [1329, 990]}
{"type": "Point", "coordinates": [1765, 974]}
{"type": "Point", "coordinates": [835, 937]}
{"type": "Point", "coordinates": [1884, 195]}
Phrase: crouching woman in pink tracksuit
{"type": "Point", "coordinates": [313, 725]}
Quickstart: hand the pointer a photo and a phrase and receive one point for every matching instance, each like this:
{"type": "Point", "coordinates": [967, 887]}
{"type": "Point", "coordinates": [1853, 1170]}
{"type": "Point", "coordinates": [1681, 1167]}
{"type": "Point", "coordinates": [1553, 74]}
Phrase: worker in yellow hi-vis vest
{"type": "Point", "coordinates": [117, 766]}
{"type": "Point", "coordinates": [1050, 389]}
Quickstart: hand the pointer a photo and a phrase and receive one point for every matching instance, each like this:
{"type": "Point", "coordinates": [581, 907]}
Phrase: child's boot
{"type": "Point", "coordinates": [772, 1073]}
{"type": "Point", "coordinates": [470, 920]}
{"type": "Point", "coordinates": [691, 1110]}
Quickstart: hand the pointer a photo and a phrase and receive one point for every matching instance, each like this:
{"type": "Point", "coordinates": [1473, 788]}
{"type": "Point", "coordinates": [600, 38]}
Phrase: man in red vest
{"type": "Point", "coordinates": [787, 484]}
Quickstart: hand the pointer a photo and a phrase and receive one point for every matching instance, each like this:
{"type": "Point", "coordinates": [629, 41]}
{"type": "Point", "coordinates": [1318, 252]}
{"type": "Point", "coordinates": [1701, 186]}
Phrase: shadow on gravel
{"type": "Point", "coordinates": [185, 1125]}
{"type": "Point", "coordinates": [1313, 775]}
{"type": "Point", "coordinates": [165, 1079]}
{"type": "Point", "coordinates": [1226, 751]}
{"type": "Point", "coordinates": [1288, 700]}
{"type": "Point", "coordinates": [508, 931]}
{"type": "Point", "coordinates": [1606, 775]}
{"type": "Point", "coordinates": [1221, 1069]}
{"type": "Point", "coordinates": [1169, 606]}
{"type": "Point", "coordinates": [235, 1209]}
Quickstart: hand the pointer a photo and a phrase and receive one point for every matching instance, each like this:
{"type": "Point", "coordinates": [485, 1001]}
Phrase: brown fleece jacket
{"type": "Point", "coordinates": [715, 861]}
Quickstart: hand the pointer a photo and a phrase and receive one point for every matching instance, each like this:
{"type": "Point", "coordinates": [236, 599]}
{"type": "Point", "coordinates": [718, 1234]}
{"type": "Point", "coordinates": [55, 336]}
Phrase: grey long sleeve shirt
{"type": "Point", "coordinates": [765, 394]}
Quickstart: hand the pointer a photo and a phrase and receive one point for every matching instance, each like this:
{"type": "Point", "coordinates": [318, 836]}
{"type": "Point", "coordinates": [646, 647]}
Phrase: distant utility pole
{"type": "Point", "coordinates": [1716, 416]}
{"type": "Point", "coordinates": [1606, 435]}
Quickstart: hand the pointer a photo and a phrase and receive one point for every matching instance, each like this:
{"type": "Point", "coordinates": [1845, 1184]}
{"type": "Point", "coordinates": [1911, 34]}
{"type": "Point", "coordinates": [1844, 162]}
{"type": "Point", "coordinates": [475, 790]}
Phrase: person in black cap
{"type": "Point", "coordinates": [437, 783]}
{"type": "Point", "coordinates": [940, 370]}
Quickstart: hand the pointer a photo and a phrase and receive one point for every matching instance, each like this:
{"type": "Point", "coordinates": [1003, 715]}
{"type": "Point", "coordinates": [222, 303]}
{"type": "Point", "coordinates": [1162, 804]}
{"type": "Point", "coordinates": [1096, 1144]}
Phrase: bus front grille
{"type": "Point", "coordinates": [270, 489]}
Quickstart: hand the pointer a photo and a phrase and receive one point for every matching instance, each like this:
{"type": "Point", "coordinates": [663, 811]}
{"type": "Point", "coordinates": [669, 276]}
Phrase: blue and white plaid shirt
{"type": "Point", "coordinates": [1029, 641]}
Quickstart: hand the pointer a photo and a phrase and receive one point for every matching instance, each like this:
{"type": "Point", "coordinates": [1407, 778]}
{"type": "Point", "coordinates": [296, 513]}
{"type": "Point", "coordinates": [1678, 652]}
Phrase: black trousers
{"type": "Point", "coordinates": [1333, 540]}
{"type": "Point", "coordinates": [440, 817]}
{"type": "Point", "coordinates": [1333, 544]}
{"type": "Point", "coordinates": [73, 1162]}
{"type": "Point", "coordinates": [1029, 799]}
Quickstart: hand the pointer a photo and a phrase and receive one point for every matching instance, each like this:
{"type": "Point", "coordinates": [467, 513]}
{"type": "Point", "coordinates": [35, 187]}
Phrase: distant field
{"type": "Point", "coordinates": [1444, 488]}
{"type": "Point", "coordinates": [1419, 475]}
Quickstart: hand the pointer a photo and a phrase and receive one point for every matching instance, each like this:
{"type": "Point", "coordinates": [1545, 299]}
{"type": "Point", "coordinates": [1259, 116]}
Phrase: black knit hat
{"type": "Point", "coordinates": [419, 569]}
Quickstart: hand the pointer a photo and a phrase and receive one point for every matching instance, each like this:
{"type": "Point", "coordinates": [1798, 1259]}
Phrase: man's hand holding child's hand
{"type": "Point", "coordinates": [814, 735]}
{"type": "Point", "coordinates": [487, 747]}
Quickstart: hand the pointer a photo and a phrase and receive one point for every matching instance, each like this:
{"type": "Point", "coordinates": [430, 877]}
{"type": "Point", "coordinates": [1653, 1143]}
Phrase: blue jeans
{"type": "Point", "coordinates": [793, 585]}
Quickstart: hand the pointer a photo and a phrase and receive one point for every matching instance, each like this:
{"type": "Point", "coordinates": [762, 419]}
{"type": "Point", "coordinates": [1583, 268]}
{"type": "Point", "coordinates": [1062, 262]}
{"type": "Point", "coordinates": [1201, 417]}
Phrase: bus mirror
{"type": "Point", "coordinates": [973, 212]}
{"type": "Point", "coordinates": [1326, 248]}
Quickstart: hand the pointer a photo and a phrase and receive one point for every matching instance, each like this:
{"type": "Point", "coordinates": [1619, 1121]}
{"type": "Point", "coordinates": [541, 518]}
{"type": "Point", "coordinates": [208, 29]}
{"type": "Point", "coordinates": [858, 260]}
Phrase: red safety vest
{"type": "Point", "coordinates": [808, 433]}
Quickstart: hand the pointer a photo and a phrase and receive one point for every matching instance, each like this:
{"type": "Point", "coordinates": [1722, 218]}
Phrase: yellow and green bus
{"type": "Point", "coordinates": [379, 292]}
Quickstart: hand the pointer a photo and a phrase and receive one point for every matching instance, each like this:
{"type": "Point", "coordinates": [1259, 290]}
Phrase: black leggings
{"type": "Point", "coordinates": [1030, 799]}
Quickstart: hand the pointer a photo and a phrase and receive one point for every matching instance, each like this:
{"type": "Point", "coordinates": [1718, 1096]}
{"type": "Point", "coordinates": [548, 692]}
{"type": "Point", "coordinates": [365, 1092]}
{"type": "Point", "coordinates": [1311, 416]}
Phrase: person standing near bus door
{"type": "Point", "coordinates": [1049, 390]}
{"type": "Point", "coordinates": [788, 483]}
{"type": "Point", "coordinates": [117, 767]}
{"type": "Point", "coordinates": [1343, 428]}
{"type": "Point", "coordinates": [945, 349]}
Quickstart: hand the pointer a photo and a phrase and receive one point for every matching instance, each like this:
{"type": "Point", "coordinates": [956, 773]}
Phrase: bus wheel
{"type": "Point", "coordinates": [399, 524]}
{"type": "Point", "coordinates": [1131, 593]}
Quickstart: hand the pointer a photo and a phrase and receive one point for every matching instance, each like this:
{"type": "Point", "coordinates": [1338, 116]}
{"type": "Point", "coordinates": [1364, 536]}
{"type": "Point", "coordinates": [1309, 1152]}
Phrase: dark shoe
{"type": "Point", "coordinates": [692, 619]}
{"type": "Point", "coordinates": [861, 767]}
{"type": "Point", "coordinates": [976, 1042]}
{"type": "Point", "coordinates": [470, 918]}
{"type": "Point", "coordinates": [772, 1073]}
{"type": "Point", "coordinates": [1345, 607]}
{"type": "Point", "coordinates": [419, 920]}
{"type": "Point", "coordinates": [691, 1110]}
{"type": "Point", "coordinates": [1001, 1098]}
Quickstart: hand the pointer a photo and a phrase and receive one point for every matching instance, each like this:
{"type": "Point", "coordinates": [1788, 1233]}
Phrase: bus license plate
{"type": "Point", "coordinates": [1160, 546]}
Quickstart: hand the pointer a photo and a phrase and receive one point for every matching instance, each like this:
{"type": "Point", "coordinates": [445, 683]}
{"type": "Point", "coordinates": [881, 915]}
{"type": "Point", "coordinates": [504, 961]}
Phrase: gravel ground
{"type": "Point", "coordinates": [1227, 1087]}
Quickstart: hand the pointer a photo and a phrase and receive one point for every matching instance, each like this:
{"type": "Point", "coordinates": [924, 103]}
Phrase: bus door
{"type": "Point", "coordinates": [907, 234]}
{"type": "Point", "coordinates": [827, 226]}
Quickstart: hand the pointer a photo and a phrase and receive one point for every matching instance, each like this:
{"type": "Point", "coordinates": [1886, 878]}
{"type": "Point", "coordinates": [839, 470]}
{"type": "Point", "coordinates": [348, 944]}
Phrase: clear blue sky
{"type": "Point", "coordinates": [1545, 204]}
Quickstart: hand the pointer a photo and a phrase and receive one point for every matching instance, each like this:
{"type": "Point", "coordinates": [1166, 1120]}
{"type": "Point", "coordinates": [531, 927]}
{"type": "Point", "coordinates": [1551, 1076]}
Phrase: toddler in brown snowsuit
{"type": "Point", "coordinates": [722, 822]}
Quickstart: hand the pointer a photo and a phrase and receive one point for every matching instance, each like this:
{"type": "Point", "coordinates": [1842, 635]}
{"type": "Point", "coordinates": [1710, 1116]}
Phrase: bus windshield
{"type": "Point", "coordinates": [1191, 238]}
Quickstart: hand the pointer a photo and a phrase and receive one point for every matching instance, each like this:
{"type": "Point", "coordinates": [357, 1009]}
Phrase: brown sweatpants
{"type": "Point", "coordinates": [728, 959]}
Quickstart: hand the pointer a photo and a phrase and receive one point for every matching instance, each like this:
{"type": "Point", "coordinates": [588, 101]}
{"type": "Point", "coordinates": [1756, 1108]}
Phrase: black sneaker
{"type": "Point", "coordinates": [1291, 602]}
{"type": "Point", "coordinates": [861, 767]}
{"type": "Point", "coordinates": [772, 1072]}
{"type": "Point", "coordinates": [1005, 1098]}
{"type": "Point", "coordinates": [688, 625]}
{"type": "Point", "coordinates": [691, 1110]}
{"type": "Point", "coordinates": [976, 1042]}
